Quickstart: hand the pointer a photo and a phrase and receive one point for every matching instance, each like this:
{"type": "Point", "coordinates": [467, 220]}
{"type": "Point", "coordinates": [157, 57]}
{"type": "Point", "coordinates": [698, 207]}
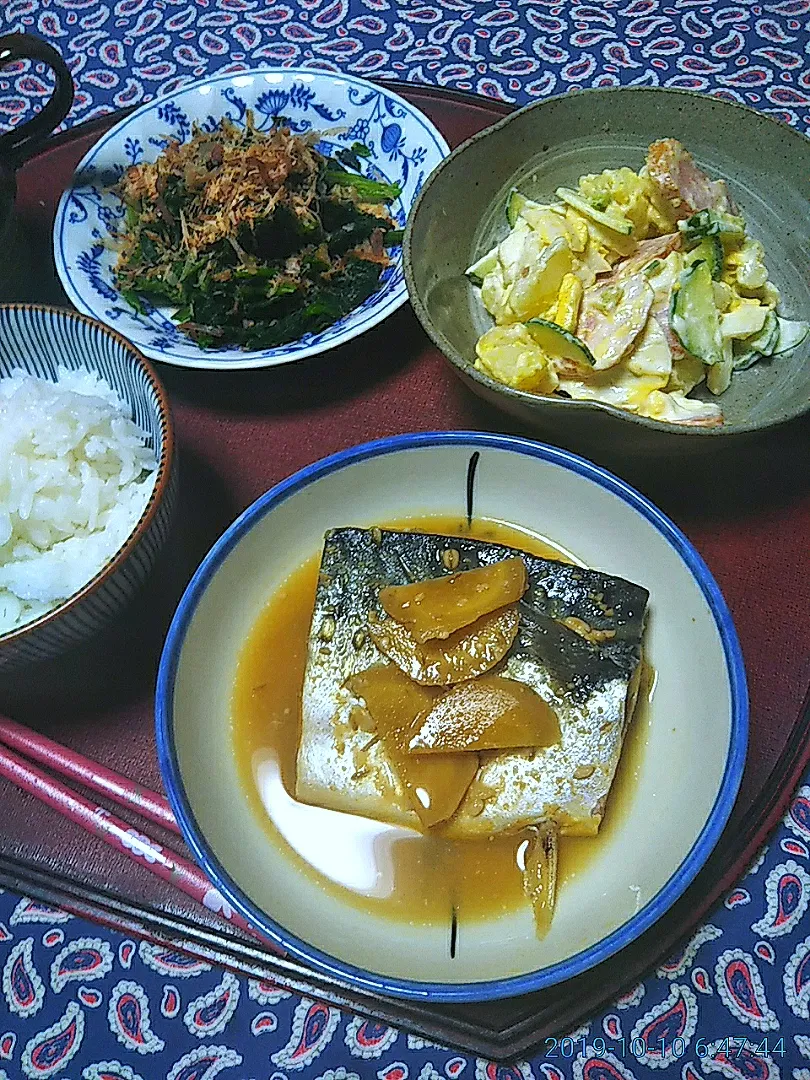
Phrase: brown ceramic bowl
{"type": "Point", "coordinates": [36, 339]}
{"type": "Point", "coordinates": [460, 215]}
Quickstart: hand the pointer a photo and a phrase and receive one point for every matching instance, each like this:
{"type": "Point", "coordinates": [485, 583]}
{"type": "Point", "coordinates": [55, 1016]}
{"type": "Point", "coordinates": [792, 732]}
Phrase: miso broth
{"type": "Point", "coordinates": [375, 866]}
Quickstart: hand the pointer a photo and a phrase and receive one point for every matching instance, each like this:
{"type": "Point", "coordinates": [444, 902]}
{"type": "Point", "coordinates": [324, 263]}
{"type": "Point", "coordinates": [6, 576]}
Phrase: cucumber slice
{"type": "Point", "coordinates": [517, 203]}
{"type": "Point", "coordinates": [556, 341]}
{"type": "Point", "coordinates": [608, 239]}
{"type": "Point", "coordinates": [483, 266]}
{"type": "Point", "coordinates": [710, 250]}
{"type": "Point", "coordinates": [771, 340]}
{"type": "Point", "coordinates": [513, 205]}
{"type": "Point", "coordinates": [750, 350]}
{"type": "Point", "coordinates": [758, 345]}
{"type": "Point", "coordinates": [744, 360]}
{"type": "Point", "coordinates": [712, 223]}
{"type": "Point", "coordinates": [718, 378]}
{"type": "Point", "coordinates": [768, 337]}
{"type": "Point", "coordinates": [693, 314]}
{"type": "Point", "coordinates": [611, 221]}
{"type": "Point", "coordinates": [791, 334]}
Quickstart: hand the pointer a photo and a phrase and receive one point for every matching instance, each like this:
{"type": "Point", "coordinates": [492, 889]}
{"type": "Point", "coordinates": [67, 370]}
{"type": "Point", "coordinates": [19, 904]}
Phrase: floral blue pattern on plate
{"type": "Point", "coordinates": [405, 147]}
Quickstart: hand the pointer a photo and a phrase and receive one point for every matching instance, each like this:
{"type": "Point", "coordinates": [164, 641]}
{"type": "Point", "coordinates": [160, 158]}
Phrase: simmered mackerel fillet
{"type": "Point", "coordinates": [589, 684]}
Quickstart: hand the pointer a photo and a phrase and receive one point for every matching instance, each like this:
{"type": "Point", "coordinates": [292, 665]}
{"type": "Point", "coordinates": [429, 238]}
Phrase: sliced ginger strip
{"type": "Point", "coordinates": [439, 607]}
{"type": "Point", "coordinates": [488, 713]}
{"type": "Point", "coordinates": [466, 654]}
{"type": "Point", "coordinates": [435, 785]}
{"type": "Point", "coordinates": [540, 874]}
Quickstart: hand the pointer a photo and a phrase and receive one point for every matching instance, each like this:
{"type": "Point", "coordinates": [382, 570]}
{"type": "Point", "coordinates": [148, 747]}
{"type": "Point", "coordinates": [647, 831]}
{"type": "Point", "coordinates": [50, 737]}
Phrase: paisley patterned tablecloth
{"type": "Point", "coordinates": [515, 50]}
{"type": "Point", "coordinates": [82, 1002]}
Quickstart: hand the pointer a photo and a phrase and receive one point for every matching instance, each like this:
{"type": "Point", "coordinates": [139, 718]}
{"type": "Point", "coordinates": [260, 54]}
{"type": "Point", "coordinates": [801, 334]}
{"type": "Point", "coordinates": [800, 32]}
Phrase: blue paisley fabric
{"type": "Point", "coordinates": [79, 1001]}
{"type": "Point", "coordinates": [517, 51]}
{"type": "Point", "coordinates": [734, 1002]}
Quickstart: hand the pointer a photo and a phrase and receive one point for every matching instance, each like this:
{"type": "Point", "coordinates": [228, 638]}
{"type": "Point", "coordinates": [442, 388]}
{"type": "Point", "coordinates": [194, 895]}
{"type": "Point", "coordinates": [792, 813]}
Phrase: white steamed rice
{"type": "Point", "coordinates": [75, 477]}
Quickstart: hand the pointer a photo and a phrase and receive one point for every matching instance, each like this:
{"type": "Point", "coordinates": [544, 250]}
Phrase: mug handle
{"type": "Point", "coordinates": [18, 144]}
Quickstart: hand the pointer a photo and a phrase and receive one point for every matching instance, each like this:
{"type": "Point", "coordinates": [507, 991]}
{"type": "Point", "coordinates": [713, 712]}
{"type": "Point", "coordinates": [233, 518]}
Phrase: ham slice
{"type": "Point", "coordinates": [682, 183]}
{"type": "Point", "coordinates": [658, 247]}
{"type": "Point", "coordinates": [612, 317]}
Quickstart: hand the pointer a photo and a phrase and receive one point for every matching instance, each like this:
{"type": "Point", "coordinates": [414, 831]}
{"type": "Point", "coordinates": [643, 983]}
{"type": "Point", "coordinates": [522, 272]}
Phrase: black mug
{"type": "Point", "coordinates": [17, 145]}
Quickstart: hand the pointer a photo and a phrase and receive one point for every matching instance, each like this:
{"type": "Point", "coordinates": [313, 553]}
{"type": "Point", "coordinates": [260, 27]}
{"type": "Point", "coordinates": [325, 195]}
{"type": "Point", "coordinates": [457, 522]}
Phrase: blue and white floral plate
{"type": "Point", "coordinates": [405, 148]}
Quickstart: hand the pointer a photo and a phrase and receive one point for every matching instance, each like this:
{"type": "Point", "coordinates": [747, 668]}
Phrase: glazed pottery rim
{"type": "Point", "coordinates": [391, 986]}
{"type": "Point", "coordinates": [255, 359]}
{"type": "Point", "coordinates": [164, 472]}
{"type": "Point", "coordinates": [469, 371]}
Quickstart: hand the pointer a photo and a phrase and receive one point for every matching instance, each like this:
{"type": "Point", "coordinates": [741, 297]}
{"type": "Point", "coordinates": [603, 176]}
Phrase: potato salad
{"type": "Point", "coordinates": [632, 289]}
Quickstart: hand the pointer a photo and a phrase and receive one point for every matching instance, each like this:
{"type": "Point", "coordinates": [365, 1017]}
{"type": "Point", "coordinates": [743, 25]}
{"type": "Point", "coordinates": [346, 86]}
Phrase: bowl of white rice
{"type": "Point", "coordinates": [87, 478]}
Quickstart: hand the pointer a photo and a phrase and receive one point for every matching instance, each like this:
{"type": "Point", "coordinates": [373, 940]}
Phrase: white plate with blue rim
{"type": "Point", "coordinates": [692, 736]}
{"type": "Point", "coordinates": [405, 148]}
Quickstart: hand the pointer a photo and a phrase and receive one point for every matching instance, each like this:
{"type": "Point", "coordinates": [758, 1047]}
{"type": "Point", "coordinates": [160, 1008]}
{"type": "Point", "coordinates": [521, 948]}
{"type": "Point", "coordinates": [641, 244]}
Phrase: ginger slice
{"type": "Point", "coordinates": [435, 785]}
{"type": "Point", "coordinates": [539, 864]}
{"type": "Point", "coordinates": [488, 713]}
{"type": "Point", "coordinates": [466, 654]}
{"type": "Point", "coordinates": [438, 607]}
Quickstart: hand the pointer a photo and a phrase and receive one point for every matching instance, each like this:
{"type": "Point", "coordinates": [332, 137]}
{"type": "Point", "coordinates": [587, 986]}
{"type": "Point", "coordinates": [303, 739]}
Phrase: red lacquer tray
{"type": "Point", "coordinates": [747, 511]}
